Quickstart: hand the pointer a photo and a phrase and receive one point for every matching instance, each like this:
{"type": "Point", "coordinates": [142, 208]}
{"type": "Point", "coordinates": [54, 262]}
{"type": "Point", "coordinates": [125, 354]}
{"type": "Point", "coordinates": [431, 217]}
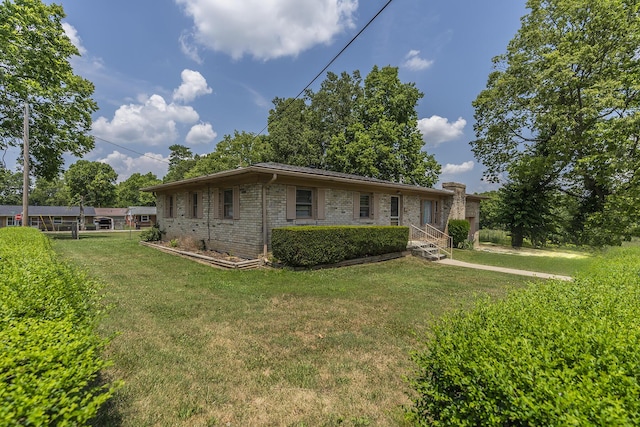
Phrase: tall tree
{"type": "Point", "coordinates": [34, 68]}
{"type": "Point", "coordinates": [181, 160]}
{"type": "Point", "coordinates": [10, 187]}
{"type": "Point", "coordinates": [91, 183]}
{"type": "Point", "coordinates": [50, 192]}
{"type": "Point", "coordinates": [568, 90]}
{"type": "Point", "coordinates": [349, 126]}
{"type": "Point", "coordinates": [384, 141]}
{"type": "Point", "coordinates": [290, 134]}
{"type": "Point", "coordinates": [128, 191]}
{"type": "Point", "coordinates": [241, 149]}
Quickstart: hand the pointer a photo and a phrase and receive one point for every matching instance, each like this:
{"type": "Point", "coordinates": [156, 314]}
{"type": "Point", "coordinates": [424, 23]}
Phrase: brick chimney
{"type": "Point", "coordinates": [458, 204]}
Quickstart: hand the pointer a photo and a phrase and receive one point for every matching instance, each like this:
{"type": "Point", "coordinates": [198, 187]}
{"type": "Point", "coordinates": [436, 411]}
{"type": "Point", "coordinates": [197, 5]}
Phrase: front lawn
{"type": "Point", "coordinates": [198, 346]}
{"type": "Point", "coordinates": [544, 261]}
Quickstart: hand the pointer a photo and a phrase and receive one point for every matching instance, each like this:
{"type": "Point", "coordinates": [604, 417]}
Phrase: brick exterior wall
{"type": "Point", "coordinates": [244, 237]}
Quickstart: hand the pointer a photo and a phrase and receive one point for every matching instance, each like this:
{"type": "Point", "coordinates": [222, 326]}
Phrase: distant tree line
{"type": "Point", "coordinates": [88, 183]}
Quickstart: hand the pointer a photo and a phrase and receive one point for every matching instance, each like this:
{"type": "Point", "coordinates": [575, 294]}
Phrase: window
{"type": "Point", "coordinates": [12, 222]}
{"type": "Point", "coordinates": [429, 212]}
{"type": "Point", "coordinates": [304, 203]}
{"type": "Point", "coordinates": [170, 207]}
{"type": "Point", "coordinates": [227, 203]}
{"type": "Point", "coordinates": [57, 220]}
{"type": "Point", "coordinates": [34, 222]}
{"type": "Point", "coordinates": [365, 205]}
{"type": "Point", "coordinates": [144, 218]}
{"type": "Point", "coordinates": [195, 205]}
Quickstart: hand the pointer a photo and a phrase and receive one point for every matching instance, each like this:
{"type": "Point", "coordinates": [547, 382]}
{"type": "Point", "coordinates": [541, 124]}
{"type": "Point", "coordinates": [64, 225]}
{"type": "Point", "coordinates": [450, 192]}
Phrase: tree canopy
{"type": "Point", "coordinates": [128, 191]}
{"type": "Point", "coordinates": [91, 183]}
{"type": "Point", "coordinates": [241, 149]}
{"type": "Point", "coordinates": [34, 67]}
{"type": "Point", "coordinates": [367, 128]}
{"type": "Point", "coordinates": [565, 97]}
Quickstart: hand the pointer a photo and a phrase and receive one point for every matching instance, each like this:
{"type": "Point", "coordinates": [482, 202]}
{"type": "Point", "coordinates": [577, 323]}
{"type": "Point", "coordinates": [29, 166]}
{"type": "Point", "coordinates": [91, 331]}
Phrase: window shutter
{"type": "Point", "coordinates": [236, 202]}
{"type": "Point", "coordinates": [291, 202]}
{"type": "Point", "coordinates": [376, 205]}
{"type": "Point", "coordinates": [356, 205]}
{"type": "Point", "coordinates": [321, 203]}
{"type": "Point", "coordinates": [166, 206]}
{"type": "Point", "coordinates": [214, 202]}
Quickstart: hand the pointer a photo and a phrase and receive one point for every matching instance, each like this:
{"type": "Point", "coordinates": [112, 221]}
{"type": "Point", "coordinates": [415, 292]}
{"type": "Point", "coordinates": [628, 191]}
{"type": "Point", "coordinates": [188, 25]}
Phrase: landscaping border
{"type": "Point", "coordinates": [216, 262]}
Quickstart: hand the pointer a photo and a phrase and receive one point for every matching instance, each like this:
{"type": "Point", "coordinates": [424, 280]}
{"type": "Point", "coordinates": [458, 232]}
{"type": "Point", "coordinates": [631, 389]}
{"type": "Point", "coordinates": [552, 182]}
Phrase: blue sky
{"type": "Point", "coordinates": [190, 71]}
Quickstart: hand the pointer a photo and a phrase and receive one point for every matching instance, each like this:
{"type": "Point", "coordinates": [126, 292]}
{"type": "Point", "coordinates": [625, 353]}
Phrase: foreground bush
{"type": "Point", "coordinates": [312, 245]}
{"type": "Point", "coordinates": [50, 355]}
{"type": "Point", "coordinates": [557, 353]}
{"type": "Point", "coordinates": [458, 229]}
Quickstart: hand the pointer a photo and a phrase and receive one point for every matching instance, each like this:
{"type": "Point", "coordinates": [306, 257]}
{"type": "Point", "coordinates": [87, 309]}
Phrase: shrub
{"type": "Point", "coordinates": [312, 245]}
{"type": "Point", "coordinates": [50, 356]}
{"type": "Point", "coordinates": [556, 353]}
{"type": "Point", "coordinates": [459, 231]}
{"type": "Point", "coordinates": [153, 234]}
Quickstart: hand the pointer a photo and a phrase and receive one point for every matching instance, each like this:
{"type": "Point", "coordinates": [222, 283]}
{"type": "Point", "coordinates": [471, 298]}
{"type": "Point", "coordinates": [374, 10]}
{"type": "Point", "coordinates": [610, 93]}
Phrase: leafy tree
{"type": "Point", "coordinates": [526, 203]}
{"type": "Point", "coordinates": [10, 187]}
{"type": "Point", "coordinates": [50, 192]}
{"type": "Point", "coordinates": [367, 128]}
{"type": "Point", "coordinates": [34, 66]}
{"type": "Point", "coordinates": [128, 192]}
{"type": "Point", "coordinates": [91, 183]}
{"type": "Point", "coordinates": [181, 160]}
{"type": "Point", "coordinates": [384, 141]}
{"type": "Point", "coordinates": [290, 134]}
{"type": "Point", "coordinates": [490, 211]}
{"type": "Point", "coordinates": [568, 90]}
{"type": "Point", "coordinates": [243, 149]}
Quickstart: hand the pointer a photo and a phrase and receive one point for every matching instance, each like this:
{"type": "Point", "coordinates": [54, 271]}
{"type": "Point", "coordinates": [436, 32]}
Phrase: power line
{"type": "Point", "coordinates": [133, 151]}
{"type": "Point", "coordinates": [330, 62]}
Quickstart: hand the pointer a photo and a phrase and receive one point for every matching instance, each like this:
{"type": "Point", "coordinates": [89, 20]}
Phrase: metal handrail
{"type": "Point", "coordinates": [433, 236]}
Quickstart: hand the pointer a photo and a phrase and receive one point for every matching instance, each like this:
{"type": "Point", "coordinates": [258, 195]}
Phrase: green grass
{"type": "Point", "coordinates": [544, 261]}
{"type": "Point", "coordinates": [198, 346]}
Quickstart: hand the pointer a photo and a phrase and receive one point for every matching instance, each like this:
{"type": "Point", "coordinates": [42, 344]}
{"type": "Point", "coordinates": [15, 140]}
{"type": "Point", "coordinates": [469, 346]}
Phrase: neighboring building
{"type": "Point", "coordinates": [111, 218]}
{"type": "Point", "coordinates": [48, 218]}
{"type": "Point", "coordinates": [234, 211]}
{"type": "Point", "coordinates": [141, 216]}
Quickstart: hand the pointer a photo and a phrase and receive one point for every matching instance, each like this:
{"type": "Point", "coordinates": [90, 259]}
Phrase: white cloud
{"type": "Point", "coordinates": [72, 33]}
{"type": "Point", "coordinates": [125, 166]}
{"type": "Point", "coordinates": [189, 48]}
{"type": "Point", "coordinates": [201, 133]}
{"type": "Point", "coordinates": [267, 29]}
{"type": "Point", "coordinates": [193, 85]}
{"type": "Point", "coordinates": [450, 169]}
{"type": "Point", "coordinates": [414, 62]}
{"type": "Point", "coordinates": [436, 130]}
{"type": "Point", "coordinates": [152, 122]}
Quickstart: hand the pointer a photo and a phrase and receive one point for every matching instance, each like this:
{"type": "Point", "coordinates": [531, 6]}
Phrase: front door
{"type": "Point", "coordinates": [395, 210]}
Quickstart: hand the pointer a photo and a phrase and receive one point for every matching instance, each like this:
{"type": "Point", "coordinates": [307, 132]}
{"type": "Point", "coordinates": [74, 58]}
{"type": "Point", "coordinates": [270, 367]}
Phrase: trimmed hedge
{"type": "Point", "coordinates": [49, 352]}
{"type": "Point", "coordinates": [459, 230]}
{"type": "Point", "coordinates": [307, 246]}
{"type": "Point", "coordinates": [556, 353]}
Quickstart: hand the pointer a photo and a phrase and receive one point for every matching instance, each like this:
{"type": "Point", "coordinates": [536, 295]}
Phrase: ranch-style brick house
{"type": "Point", "coordinates": [234, 211]}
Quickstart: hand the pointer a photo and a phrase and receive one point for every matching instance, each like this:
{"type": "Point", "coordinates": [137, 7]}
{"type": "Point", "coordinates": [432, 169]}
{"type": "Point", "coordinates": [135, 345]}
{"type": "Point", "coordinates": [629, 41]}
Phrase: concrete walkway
{"type": "Point", "coordinates": [448, 261]}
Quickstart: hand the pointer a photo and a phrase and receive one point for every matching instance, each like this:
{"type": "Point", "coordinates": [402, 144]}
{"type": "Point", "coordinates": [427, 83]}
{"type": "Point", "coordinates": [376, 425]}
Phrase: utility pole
{"type": "Point", "coordinates": [25, 168]}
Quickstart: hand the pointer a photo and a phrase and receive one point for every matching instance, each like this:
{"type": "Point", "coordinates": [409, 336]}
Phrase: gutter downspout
{"type": "Point", "coordinates": [265, 234]}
